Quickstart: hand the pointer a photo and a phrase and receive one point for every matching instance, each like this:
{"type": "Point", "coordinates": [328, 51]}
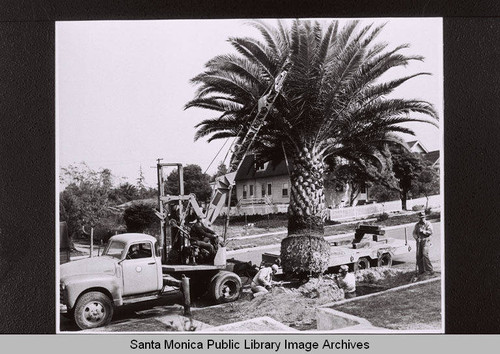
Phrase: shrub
{"type": "Point", "coordinates": [382, 217]}
{"type": "Point", "coordinates": [417, 207]}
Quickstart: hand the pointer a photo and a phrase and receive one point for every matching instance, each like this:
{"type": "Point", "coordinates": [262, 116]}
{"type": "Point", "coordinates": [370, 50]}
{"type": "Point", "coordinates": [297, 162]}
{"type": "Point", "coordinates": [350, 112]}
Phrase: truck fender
{"type": "Point", "coordinates": [77, 285]}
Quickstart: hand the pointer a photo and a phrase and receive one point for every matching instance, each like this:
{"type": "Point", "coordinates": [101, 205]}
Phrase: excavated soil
{"type": "Point", "coordinates": [295, 306]}
{"type": "Point", "coordinates": [292, 306]}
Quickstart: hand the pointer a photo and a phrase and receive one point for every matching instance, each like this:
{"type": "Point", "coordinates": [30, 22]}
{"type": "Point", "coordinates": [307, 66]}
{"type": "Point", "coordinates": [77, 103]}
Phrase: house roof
{"type": "Point", "coordinates": [414, 143]}
{"type": "Point", "coordinates": [248, 169]}
{"type": "Point", "coordinates": [432, 157]}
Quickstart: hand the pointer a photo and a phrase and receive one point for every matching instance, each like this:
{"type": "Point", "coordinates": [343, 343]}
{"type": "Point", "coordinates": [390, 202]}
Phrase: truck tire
{"type": "Point", "coordinates": [361, 263]}
{"type": "Point", "coordinates": [385, 260]}
{"type": "Point", "coordinates": [225, 287]}
{"type": "Point", "coordinates": [93, 309]}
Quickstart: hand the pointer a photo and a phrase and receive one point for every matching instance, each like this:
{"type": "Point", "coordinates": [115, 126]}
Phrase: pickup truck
{"type": "Point", "coordinates": [130, 270]}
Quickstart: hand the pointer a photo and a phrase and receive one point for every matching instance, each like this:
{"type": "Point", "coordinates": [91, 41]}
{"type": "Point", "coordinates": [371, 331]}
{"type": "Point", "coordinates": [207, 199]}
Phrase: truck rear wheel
{"type": "Point", "coordinates": [225, 287]}
{"type": "Point", "coordinates": [362, 263]}
{"type": "Point", "coordinates": [93, 309]}
{"type": "Point", "coordinates": [385, 260]}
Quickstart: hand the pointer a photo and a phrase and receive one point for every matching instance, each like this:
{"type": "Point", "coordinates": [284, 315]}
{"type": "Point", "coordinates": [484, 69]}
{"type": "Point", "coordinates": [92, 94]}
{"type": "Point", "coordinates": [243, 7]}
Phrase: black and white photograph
{"type": "Point", "coordinates": [250, 175]}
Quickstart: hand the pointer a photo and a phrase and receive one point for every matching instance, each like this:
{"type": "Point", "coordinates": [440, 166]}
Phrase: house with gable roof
{"type": "Point", "coordinates": [268, 183]}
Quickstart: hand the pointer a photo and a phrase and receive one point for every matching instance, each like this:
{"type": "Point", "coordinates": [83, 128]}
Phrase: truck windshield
{"type": "Point", "coordinates": [114, 249]}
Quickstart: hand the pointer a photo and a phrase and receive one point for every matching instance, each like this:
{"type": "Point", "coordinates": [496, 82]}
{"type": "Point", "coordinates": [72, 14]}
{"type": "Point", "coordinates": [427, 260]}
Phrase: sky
{"type": "Point", "coordinates": [121, 87]}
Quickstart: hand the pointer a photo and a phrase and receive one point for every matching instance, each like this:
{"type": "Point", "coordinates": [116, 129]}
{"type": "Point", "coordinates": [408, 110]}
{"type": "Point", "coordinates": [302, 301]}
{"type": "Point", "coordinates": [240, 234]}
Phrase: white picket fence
{"type": "Point", "coordinates": [370, 209]}
{"type": "Point", "coordinates": [341, 213]}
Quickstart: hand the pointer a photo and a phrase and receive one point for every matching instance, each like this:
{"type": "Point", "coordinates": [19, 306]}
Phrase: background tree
{"type": "Point", "coordinates": [195, 181]}
{"type": "Point", "coordinates": [125, 192]}
{"type": "Point", "coordinates": [362, 173]}
{"type": "Point", "coordinates": [140, 217]}
{"type": "Point", "coordinates": [141, 187]}
{"type": "Point", "coordinates": [221, 169]}
{"type": "Point", "coordinates": [406, 167]}
{"type": "Point", "coordinates": [382, 194]}
{"type": "Point", "coordinates": [426, 183]}
{"type": "Point", "coordinates": [85, 200]}
{"type": "Point", "coordinates": [333, 103]}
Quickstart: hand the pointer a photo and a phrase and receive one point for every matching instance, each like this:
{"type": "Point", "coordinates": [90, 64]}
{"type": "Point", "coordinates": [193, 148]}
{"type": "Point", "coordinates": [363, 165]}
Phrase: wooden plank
{"type": "Point", "coordinates": [379, 238]}
{"type": "Point", "coordinates": [370, 227]}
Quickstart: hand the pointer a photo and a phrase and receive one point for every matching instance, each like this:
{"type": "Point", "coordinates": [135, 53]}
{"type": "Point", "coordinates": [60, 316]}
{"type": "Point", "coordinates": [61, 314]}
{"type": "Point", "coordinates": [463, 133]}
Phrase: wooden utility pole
{"type": "Point", "coordinates": [161, 193]}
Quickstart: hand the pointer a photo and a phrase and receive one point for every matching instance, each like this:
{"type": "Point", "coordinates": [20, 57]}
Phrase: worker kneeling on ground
{"type": "Point", "coordinates": [262, 282]}
{"type": "Point", "coordinates": [346, 281]}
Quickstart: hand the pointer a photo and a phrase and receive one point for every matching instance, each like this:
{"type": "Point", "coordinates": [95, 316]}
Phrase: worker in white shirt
{"type": "Point", "coordinates": [262, 281]}
{"type": "Point", "coordinates": [346, 281]}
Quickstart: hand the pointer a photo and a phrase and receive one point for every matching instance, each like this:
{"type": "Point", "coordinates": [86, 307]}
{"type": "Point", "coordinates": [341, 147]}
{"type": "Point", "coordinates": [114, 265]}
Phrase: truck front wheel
{"type": "Point", "coordinates": [225, 287]}
{"type": "Point", "coordinates": [93, 309]}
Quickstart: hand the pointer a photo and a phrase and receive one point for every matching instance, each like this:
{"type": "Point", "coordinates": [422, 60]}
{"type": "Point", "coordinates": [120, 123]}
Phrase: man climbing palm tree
{"type": "Point", "coordinates": [332, 104]}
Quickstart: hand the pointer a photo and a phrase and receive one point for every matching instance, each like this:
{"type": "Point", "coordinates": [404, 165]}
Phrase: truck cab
{"type": "Point", "coordinates": [129, 269]}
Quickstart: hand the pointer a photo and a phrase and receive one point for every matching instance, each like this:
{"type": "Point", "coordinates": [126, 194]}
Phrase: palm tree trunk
{"type": "Point", "coordinates": [305, 251]}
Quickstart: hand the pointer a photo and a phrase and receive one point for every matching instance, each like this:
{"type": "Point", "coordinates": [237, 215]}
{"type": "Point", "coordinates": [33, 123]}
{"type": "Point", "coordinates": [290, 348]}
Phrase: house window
{"type": "Point", "coordinates": [259, 166]}
{"type": "Point", "coordinates": [251, 190]}
{"type": "Point", "coordinates": [244, 191]}
{"type": "Point", "coordinates": [285, 190]}
{"type": "Point", "coordinates": [363, 188]}
{"type": "Point", "coordinates": [263, 190]}
{"type": "Point", "coordinates": [269, 189]}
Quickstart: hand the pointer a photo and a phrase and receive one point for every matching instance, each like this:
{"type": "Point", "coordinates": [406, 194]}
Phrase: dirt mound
{"type": "Point", "coordinates": [324, 289]}
{"type": "Point", "coordinates": [293, 306]}
{"type": "Point", "coordinates": [385, 277]}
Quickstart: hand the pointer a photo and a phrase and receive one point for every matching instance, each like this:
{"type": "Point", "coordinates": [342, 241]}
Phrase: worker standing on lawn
{"type": "Point", "coordinates": [422, 234]}
{"type": "Point", "coordinates": [262, 281]}
{"type": "Point", "coordinates": [346, 281]}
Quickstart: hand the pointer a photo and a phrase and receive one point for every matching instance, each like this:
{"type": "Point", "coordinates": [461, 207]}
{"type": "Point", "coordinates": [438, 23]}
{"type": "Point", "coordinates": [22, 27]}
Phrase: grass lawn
{"type": "Point", "coordinates": [414, 308]}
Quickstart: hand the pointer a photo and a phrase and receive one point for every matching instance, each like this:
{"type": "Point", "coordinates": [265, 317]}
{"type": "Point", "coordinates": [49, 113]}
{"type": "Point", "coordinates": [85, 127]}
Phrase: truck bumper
{"type": "Point", "coordinates": [63, 308]}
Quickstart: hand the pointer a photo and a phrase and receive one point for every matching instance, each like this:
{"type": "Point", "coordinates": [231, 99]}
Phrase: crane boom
{"type": "Point", "coordinates": [225, 183]}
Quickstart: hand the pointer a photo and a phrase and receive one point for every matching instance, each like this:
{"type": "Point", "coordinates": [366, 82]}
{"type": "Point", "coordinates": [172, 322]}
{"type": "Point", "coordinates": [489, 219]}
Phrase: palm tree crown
{"type": "Point", "coordinates": [333, 104]}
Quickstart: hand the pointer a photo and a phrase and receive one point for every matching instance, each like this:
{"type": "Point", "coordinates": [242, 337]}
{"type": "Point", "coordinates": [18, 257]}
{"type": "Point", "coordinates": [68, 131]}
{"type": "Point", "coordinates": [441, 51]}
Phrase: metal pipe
{"type": "Point", "coordinates": [187, 298]}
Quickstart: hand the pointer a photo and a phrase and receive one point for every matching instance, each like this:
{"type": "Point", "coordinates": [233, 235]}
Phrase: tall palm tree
{"type": "Point", "coordinates": [332, 104]}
